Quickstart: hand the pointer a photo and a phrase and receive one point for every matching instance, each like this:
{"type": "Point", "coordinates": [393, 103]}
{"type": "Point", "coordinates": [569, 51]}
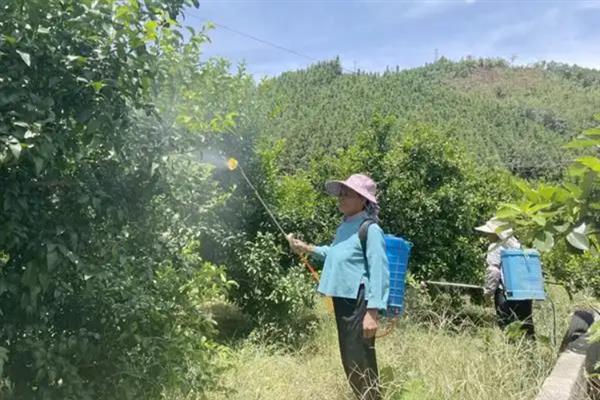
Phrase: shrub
{"type": "Point", "coordinates": [278, 299]}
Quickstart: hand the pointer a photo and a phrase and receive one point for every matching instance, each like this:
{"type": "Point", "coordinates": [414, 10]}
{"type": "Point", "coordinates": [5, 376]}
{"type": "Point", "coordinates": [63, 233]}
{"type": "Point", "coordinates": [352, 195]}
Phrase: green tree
{"type": "Point", "coordinates": [101, 280]}
{"type": "Point", "coordinates": [569, 210]}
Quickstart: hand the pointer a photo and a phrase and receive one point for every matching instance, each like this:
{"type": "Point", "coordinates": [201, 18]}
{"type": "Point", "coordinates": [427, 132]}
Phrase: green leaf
{"type": "Point", "coordinates": [589, 183]}
{"type": "Point", "coordinates": [561, 196]}
{"type": "Point", "coordinates": [25, 57]}
{"type": "Point", "coordinates": [43, 30]}
{"type": "Point", "coordinates": [592, 163]}
{"type": "Point", "coordinates": [507, 213]}
{"type": "Point", "coordinates": [526, 190]}
{"type": "Point", "coordinates": [150, 30]}
{"type": "Point", "coordinates": [39, 164]}
{"type": "Point", "coordinates": [578, 240]}
{"type": "Point", "coordinates": [592, 132]}
{"type": "Point", "coordinates": [15, 147]}
{"type": "Point", "coordinates": [74, 58]}
{"type": "Point", "coordinates": [122, 13]}
{"type": "Point", "coordinates": [583, 228]}
{"type": "Point", "coordinates": [51, 256]}
{"type": "Point", "coordinates": [544, 241]}
{"type": "Point", "coordinates": [30, 135]}
{"type": "Point", "coordinates": [97, 85]}
{"type": "Point", "coordinates": [562, 228]}
{"type": "Point", "coordinates": [21, 124]}
{"type": "Point", "coordinates": [576, 144]}
{"type": "Point", "coordinates": [538, 207]}
{"type": "Point", "coordinates": [546, 192]}
{"type": "Point", "coordinates": [538, 219]}
{"type": "Point", "coordinates": [575, 190]}
{"type": "Point", "coordinates": [3, 359]}
{"type": "Point", "coordinates": [69, 254]}
{"type": "Point", "coordinates": [9, 39]}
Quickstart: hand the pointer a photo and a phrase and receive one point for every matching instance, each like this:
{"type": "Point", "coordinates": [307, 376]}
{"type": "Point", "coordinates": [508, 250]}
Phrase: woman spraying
{"type": "Point", "coordinates": [359, 287]}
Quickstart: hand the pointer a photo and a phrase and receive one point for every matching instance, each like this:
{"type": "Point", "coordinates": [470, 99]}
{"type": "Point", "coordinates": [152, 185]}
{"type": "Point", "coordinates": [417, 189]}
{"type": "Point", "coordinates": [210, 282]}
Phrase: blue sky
{"type": "Point", "coordinates": [374, 34]}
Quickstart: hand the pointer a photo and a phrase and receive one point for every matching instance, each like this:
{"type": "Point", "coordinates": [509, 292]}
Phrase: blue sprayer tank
{"type": "Point", "coordinates": [522, 273]}
{"type": "Point", "coordinates": [398, 253]}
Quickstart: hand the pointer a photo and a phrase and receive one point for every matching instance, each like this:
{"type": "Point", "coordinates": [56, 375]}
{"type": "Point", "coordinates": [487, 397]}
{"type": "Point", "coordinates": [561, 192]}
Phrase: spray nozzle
{"type": "Point", "coordinates": [232, 164]}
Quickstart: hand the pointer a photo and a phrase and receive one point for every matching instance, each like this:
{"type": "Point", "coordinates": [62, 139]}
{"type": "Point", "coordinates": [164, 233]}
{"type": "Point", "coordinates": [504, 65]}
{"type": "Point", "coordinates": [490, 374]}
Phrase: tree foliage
{"type": "Point", "coordinates": [101, 278]}
{"type": "Point", "coordinates": [512, 117]}
{"type": "Point", "coordinates": [567, 211]}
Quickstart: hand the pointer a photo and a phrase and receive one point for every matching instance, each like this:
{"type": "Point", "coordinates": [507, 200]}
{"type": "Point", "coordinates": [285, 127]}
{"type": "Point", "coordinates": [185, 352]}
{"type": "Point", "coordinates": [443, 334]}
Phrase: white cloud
{"type": "Point", "coordinates": [416, 9]}
{"type": "Point", "coordinates": [587, 5]}
{"type": "Point", "coordinates": [523, 28]}
{"type": "Point", "coordinates": [428, 8]}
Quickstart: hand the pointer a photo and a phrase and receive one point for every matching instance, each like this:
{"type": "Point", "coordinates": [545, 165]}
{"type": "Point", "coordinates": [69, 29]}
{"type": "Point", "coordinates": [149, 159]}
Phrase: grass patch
{"type": "Point", "coordinates": [433, 356]}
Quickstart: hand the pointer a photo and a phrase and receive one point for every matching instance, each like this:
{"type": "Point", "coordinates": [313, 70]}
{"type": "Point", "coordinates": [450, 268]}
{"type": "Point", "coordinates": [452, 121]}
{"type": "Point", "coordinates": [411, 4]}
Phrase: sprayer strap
{"type": "Point", "coordinates": [363, 232]}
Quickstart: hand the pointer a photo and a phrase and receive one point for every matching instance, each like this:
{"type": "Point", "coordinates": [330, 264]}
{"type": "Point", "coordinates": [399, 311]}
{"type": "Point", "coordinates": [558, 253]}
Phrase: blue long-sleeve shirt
{"type": "Point", "coordinates": [345, 267]}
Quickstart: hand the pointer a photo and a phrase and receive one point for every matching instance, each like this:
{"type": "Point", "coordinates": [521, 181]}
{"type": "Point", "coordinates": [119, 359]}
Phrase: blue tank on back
{"type": "Point", "coordinates": [398, 252]}
{"type": "Point", "coordinates": [522, 275]}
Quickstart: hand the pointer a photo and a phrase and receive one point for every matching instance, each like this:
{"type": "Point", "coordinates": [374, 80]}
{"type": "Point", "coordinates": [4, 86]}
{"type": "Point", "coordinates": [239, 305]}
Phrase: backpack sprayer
{"type": "Point", "coordinates": [397, 251]}
{"type": "Point", "coordinates": [522, 279]}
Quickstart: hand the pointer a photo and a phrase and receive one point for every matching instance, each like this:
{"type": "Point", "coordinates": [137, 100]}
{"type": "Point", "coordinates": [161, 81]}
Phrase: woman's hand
{"type": "Point", "coordinates": [297, 245]}
{"type": "Point", "coordinates": [370, 323]}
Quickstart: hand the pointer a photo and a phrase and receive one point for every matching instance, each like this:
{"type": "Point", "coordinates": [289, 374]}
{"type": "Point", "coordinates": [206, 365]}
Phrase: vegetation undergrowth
{"type": "Point", "coordinates": [435, 355]}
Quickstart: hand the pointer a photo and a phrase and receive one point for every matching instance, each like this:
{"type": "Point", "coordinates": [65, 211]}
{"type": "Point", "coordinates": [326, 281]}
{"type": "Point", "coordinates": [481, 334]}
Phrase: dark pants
{"type": "Point", "coordinates": [509, 311]}
{"type": "Point", "coordinates": [358, 353]}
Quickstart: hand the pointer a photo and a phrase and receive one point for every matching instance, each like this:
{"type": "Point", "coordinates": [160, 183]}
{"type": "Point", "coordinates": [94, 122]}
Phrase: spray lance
{"type": "Point", "coordinates": [233, 164]}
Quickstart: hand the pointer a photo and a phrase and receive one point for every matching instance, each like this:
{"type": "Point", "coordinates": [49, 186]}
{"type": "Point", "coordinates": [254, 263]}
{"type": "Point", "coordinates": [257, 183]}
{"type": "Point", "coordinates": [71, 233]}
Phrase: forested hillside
{"type": "Point", "coordinates": [516, 117]}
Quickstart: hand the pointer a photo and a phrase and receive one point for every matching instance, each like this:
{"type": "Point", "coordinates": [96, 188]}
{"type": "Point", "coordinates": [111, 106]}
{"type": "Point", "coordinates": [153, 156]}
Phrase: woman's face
{"type": "Point", "coordinates": [350, 202]}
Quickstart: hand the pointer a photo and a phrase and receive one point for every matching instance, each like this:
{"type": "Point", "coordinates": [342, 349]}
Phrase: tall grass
{"type": "Point", "coordinates": [429, 355]}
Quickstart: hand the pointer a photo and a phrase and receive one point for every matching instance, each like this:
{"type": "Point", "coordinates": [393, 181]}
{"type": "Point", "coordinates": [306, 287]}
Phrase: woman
{"type": "Point", "coordinates": [507, 311]}
{"type": "Point", "coordinates": [359, 287]}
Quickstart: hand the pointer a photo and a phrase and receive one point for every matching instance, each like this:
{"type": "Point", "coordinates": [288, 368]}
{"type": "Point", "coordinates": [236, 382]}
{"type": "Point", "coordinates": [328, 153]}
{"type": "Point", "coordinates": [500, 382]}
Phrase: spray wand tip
{"type": "Point", "coordinates": [232, 164]}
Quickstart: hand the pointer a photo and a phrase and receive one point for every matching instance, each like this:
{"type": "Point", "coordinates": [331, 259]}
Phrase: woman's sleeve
{"type": "Point", "coordinates": [320, 252]}
{"type": "Point", "coordinates": [379, 274]}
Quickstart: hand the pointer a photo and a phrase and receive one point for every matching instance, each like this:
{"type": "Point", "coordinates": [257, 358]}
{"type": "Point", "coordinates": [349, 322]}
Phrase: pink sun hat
{"type": "Point", "coordinates": [360, 183]}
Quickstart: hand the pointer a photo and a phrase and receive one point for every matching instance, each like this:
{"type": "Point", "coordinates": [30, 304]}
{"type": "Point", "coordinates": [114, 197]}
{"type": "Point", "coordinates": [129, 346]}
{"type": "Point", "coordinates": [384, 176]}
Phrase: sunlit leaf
{"type": "Point", "coordinates": [592, 163]}
{"type": "Point", "coordinates": [538, 207]}
{"type": "Point", "coordinates": [21, 124]}
{"type": "Point", "coordinates": [97, 85]}
{"type": "Point", "coordinates": [592, 132]}
{"type": "Point", "coordinates": [578, 240]}
{"type": "Point", "coordinates": [583, 228]}
{"type": "Point", "coordinates": [576, 144]}
{"type": "Point", "coordinates": [562, 228]}
{"type": "Point", "coordinates": [576, 170]}
{"type": "Point", "coordinates": [15, 147]}
{"type": "Point", "coordinates": [25, 57]}
{"type": "Point", "coordinates": [544, 241]}
{"type": "Point", "coordinates": [541, 221]}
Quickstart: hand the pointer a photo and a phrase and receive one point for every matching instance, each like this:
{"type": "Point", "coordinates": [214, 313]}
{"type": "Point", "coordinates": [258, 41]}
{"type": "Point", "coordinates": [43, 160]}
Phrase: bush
{"type": "Point", "coordinates": [101, 278]}
{"type": "Point", "coordinates": [434, 196]}
{"type": "Point", "coordinates": [278, 299]}
{"type": "Point", "coordinates": [576, 270]}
